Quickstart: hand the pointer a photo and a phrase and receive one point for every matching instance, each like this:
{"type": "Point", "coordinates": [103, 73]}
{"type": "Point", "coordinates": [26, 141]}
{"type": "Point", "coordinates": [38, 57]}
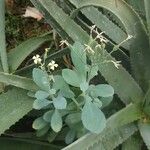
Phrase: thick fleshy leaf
{"type": "Point", "coordinates": [93, 71]}
{"type": "Point", "coordinates": [43, 131]}
{"type": "Point", "coordinates": [61, 85]}
{"type": "Point", "coordinates": [92, 117]}
{"type": "Point", "coordinates": [41, 79]}
{"type": "Point", "coordinates": [103, 90]}
{"type": "Point", "coordinates": [145, 133]}
{"type": "Point", "coordinates": [70, 136]}
{"type": "Point", "coordinates": [56, 121]}
{"type": "Point", "coordinates": [39, 123]}
{"type": "Point", "coordinates": [71, 77]}
{"type": "Point", "coordinates": [14, 104]}
{"type": "Point", "coordinates": [60, 102]}
{"type": "Point", "coordinates": [17, 55]}
{"type": "Point", "coordinates": [48, 115]}
{"type": "Point", "coordinates": [41, 94]}
{"type": "Point", "coordinates": [59, 82]}
{"type": "Point", "coordinates": [67, 93]}
{"type": "Point", "coordinates": [106, 101]}
{"type": "Point", "coordinates": [98, 102]}
{"type": "Point", "coordinates": [40, 103]}
{"type": "Point", "coordinates": [73, 119]}
{"type": "Point", "coordinates": [84, 86]}
{"type": "Point", "coordinates": [78, 56]}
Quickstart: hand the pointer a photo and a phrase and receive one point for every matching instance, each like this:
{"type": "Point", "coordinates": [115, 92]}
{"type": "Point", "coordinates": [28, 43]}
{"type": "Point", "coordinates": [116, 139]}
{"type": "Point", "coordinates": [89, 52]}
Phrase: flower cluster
{"type": "Point", "coordinates": [37, 60]}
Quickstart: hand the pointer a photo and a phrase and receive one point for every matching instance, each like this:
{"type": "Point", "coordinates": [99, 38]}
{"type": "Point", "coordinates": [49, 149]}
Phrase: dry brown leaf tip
{"type": "Point", "coordinates": [33, 12]}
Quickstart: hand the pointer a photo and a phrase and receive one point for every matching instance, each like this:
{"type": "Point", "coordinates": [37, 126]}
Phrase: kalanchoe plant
{"type": "Point", "coordinates": [70, 99]}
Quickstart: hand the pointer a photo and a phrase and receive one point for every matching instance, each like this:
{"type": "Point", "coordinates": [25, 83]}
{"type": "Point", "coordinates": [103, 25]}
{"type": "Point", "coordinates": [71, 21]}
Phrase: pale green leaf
{"type": "Point", "coordinates": [40, 103]}
{"type": "Point", "coordinates": [39, 123]}
{"type": "Point", "coordinates": [102, 90]}
{"type": "Point", "coordinates": [43, 131]}
{"type": "Point", "coordinates": [76, 33]}
{"type": "Point", "coordinates": [93, 71]}
{"type": "Point", "coordinates": [84, 86]}
{"type": "Point", "coordinates": [41, 94]}
{"type": "Point", "coordinates": [98, 102]}
{"type": "Point", "coordinates": [48, 115]}
{"type": "Point", "coordinates": [56, 121]}
{"type": "Point", "coordinates": [106, 101]}
{"type": "Point", "coordinates": [71, 77]}
{"type": "Point", "coordinates": [93, 118]}
{"type": "Point", "coordinates": [73, 118]}
{"type": "Point", "coordinates": [41, 79]}
{"type": "Point", "coordinates": [60, 102]}
{"type": "Point", "coordinates": [78, 56]}
{"type": "Point", "coordinates": [117, 131]}
{"type": "Point", "coordinates": [61, 85]}
{"type": "Point", "coordinates": [70, 136]}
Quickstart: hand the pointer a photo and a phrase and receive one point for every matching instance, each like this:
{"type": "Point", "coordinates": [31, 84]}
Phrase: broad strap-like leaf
{"type": "Point", "coordinates": [133, 143]}
{"type": "Point", "coordinates": [17, 55]}
{"type": "Point", "coordinates": [120, 77]}
{"type": "Point", "coordinates": [3, 53]}
{"type": "Point", "coordinates": [138, 6]}
{"type": "Point", "coordinates": [135, 27]}
{"type": "Point", "coordinates": [147, 10]}
{"type": "Point", "coordinates": [106, 25]}
{"type": "Point", "coordinates": [112, 130]}
{"type": "Point", "coordinates": [107, 141]}
{"type": "Point", "coordinates": [145, 133]}
{"type": "Point", "coordinates": [24, 144]}
{"type": "Point", "coordinates": [18, 81]}
{"type": "Point", "coordinates": [14, 105]}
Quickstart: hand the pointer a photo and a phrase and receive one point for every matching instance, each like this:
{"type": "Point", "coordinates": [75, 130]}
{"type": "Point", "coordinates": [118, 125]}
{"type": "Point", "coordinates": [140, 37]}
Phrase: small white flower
{"type": "Point", "coordinates": [37, 59]}
{"type": "Point", "coordinates": [116, 63]}
{"type": "Point", "coordinates": [52, 65]}
{"type": "Point", "coordinates": [92, 27]}
{"type": "Point", "coordinates": [89, 49]}
{"type": "Point", "coordinates": [64, 42]}
{"type": "Point", "coordinates": [47, 49]}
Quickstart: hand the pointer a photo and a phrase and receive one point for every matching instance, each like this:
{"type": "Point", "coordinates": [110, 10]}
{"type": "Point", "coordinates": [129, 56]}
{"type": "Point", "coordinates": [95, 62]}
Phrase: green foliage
{"type": "Point", "coordinates": [145, 133]}
{"type": "Point", "coordinates": [71, 103]}
{"type": "Point", "coordinates": [92, 117]}
{"type": "Point", "coordinates": [14, 107]}
{"type": "Point", "coordinates": [23, 144]}
{"type": "Point", "coordinates": [3, 53]}
{"type": "Point", "coordinates": [129, 89]}
{"type": "Point", "coordinates": [41, 79]}
{"type": "Point", "coordinates": [56, 121]}
{"type": "Point", "coordinates": [24, 49]}
{"type": "Point", "coordinates": [88, 112]}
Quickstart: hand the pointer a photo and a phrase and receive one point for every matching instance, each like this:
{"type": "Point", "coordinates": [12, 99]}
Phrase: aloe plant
{"type": "Point", "coordinates": [130, 81]}
{"type": "Point", "coordinates": [131, 88]}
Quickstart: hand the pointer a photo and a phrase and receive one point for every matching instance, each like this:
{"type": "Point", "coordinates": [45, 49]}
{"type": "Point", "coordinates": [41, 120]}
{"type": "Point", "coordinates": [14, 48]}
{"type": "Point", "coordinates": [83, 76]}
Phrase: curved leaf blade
{"type": "Point", "coordinates": [17, 55]}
